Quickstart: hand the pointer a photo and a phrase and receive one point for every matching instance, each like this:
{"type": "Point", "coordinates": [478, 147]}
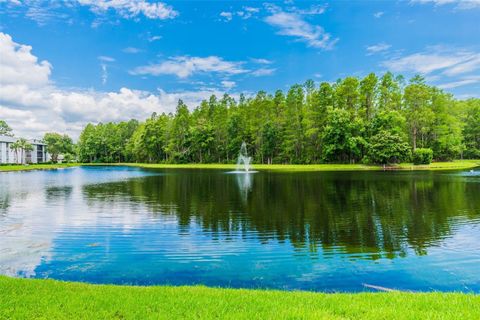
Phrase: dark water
{"type": "Point", "coordinates": [314, 231]}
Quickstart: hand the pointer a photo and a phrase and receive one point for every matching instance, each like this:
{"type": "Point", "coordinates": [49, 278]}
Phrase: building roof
{"type": "Point", "coordinates": [7, 139]}
{"type": "Point", "coordinates": [13, 139]}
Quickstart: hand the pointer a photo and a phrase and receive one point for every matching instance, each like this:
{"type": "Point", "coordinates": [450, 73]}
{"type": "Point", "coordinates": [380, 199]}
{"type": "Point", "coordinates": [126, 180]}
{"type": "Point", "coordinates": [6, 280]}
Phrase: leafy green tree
{"type": "Point", "coordinates": [342, 137]}
{"type": "Point", "coordinates": [314, 122]}
{"type": "Point", "coordinates": [352, 120]}
{"type": "Point", "coordinates": [471, 130]}
{"type": "Point", "coordinates": [179, 142]}
{"type": "Point", "coordinates": [15, 147]}
{"type": "Point", "coordinates": [387, 147]}
{"type": "Point", "coordinates": [347, 95]}
{"type": "Point", "coordinates": [418, 110]}
{"type": "Point", "coordinates": [368, 96]}
{"type": "Point", "coordinates": [294, 131]}
{"type": "Point", "coordinates": [5, 129]}
{"type": "Point", "coordinates": [422, 156]}
{"type": "Point", "coordinates": [58, 144]}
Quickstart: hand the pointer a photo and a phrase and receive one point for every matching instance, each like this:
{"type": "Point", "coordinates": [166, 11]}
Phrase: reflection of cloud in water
{"type": "Point", "coordinates": [30, 199]}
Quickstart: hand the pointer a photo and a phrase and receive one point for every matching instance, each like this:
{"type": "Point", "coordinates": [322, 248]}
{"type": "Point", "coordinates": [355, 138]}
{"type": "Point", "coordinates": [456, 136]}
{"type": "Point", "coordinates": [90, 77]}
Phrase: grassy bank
{"type": "Point", "coordinates": [21, 167]}
{"type": "Point", "coordinates": [48, 299]}
{"type": "Point", "coordinates": [454, 165]}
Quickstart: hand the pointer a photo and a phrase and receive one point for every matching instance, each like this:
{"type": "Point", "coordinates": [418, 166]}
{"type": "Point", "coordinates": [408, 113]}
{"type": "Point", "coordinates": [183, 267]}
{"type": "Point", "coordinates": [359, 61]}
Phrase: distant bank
{"type": "Point", "coordinates": [452, 165]}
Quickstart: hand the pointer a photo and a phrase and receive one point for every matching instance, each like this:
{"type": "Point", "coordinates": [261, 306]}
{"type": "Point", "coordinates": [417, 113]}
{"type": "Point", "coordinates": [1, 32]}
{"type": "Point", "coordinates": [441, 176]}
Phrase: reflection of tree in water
{"type": "Point", "coordinates": [4, 203]}
{"type": "Point", "coordinates": [372, 215]}
{"type": "Point", "coordinates": [55, 193]}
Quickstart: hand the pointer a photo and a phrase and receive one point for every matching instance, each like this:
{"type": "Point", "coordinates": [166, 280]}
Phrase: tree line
{"type": "Point", "coordinates": [369, 120]}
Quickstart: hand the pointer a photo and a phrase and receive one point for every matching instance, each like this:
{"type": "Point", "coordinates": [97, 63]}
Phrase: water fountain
{"type": "Point", "coordinates": [243, 161]}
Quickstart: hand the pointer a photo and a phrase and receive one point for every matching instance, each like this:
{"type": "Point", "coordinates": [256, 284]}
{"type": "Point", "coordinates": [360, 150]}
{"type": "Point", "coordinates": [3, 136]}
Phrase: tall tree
{"type": "Point", "coordinates": [5, 129]}
{"type": "Point", "coordinates": [418, 110]}
{"type": "Point", "coordinates": [58, 144]}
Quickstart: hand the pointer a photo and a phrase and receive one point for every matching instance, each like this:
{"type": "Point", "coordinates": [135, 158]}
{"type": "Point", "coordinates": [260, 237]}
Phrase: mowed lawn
{"type": "Point", "coordinates": [453, 165]}
{"type": "Point", "coordinates": [49, 299]}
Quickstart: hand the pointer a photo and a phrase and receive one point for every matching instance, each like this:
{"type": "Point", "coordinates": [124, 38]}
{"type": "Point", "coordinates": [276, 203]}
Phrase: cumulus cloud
{"type": "Point", "coordinates": [293, 25]}
{"type": "Point", "coordinates": [19, 65]}
{"type": "Point", "coordinates": [33, 105]}
{"type": "Point", "coordinates": [185, 66]}
{"type": "Point", "coordinates": [378, 14]}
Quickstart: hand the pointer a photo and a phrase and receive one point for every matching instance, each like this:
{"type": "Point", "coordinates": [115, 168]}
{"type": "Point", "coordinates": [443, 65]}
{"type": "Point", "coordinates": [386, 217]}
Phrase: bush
{"type": "Point", "coordinates": [385, 147]}
{"type": "Point", "coordinates": [422, 156]}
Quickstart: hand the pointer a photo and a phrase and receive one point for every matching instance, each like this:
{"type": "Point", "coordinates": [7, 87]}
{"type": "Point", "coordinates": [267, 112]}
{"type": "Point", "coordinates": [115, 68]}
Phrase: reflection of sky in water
{"type": "Point", "coordinates": [53, 225]}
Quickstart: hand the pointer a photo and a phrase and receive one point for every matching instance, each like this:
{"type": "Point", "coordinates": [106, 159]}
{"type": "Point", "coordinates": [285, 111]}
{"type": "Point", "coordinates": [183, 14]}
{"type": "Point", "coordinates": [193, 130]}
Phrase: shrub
{"type": "Point", "coordinates": [385, 147]}
{"type": "Point", "coordinates": [422, 156]}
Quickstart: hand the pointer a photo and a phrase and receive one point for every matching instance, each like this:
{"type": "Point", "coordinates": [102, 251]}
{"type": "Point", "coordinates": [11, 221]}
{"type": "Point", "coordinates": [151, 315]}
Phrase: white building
{"type": "Point", "coordinates": [37, 155]}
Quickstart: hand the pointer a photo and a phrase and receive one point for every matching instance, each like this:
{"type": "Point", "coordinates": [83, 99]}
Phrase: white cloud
{"type": "Point", "coordinates": [19, 65]}
{"type": "Point", "coordinates": [32, 105]}
{"type": "Point", "coordinates": [245, 13]}
{"type": "Point", "coordinates": [378, 14]}
{"type": "Point", "coordinates": [13, 2]}
{"type": "Point", "coordinates": [376, 48]}
{"type": "Point", "coordinates": [313, 10]}
{"type": "Point", "coordinates": [185, 66]}
{"type": "Point", "coordinates": [470, 63]}
{"type": "Point", "coordinates": [131, 9]}
{"type": "Point", "coordinates": [228, 84]}
{"type": "Point", "coordinates": [449, 62]}
{"type": "Point", "coordinates": [460, 83]}
{"type": "Point", "coordinates": [154, 38]}
{"type": "Point", "coordinates": [263, 72]}
{"type": "Point", "coordinates": [227, 15]}
{"type": "Point", "coordinates": [131, 50]}
{"type": "Point", "coordinates": [106, 59]}
{"type": "Point", "coordinates": [293, 25]}
{"type": "Point", "coordinates": [104, 73]}
{"type": "Point", "coordinates": [261, 61]}
{"type": "Point", "coordinates": [459, 4]}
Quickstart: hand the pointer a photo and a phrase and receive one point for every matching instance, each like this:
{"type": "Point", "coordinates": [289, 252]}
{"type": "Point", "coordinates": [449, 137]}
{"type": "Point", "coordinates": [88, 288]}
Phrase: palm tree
{"type": "Point", "coordinates": [15, 146]}
{"type": "Point", "coordinates": [24, 147]}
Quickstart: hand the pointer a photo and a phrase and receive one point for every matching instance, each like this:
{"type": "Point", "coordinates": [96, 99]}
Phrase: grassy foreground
{"type": "Point", "coordinates": [454, 165]}
{"type": "Point", "coordinates": [49, 299]}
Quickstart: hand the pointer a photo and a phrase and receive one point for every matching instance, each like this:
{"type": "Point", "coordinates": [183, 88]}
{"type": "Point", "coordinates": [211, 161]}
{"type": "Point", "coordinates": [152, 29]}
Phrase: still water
{"type": "Point", "coordinates": [322, 231]}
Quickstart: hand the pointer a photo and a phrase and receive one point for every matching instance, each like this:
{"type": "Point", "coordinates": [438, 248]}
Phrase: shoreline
{"type": "Point", "coordinates": [453, 165]}
{"type": "Point", "coordinates": [53, 299]}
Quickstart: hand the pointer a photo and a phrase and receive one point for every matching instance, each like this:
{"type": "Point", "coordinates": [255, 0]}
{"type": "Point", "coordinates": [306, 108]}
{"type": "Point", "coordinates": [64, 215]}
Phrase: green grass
{"type": "Point", "coordinates": [49, 299]}
{"type": "Point", "coordinates": [20, 167]}
{"type": "Point", "coordinates": [454, 165]}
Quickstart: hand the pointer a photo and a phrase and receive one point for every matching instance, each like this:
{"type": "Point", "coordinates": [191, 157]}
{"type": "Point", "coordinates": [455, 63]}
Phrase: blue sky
{"type": "Point", "coordinates": [66, 63]}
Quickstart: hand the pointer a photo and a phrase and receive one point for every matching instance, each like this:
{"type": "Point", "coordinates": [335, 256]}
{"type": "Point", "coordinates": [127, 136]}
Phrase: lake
{"type": "Point", "coordinates": [321, 231]}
